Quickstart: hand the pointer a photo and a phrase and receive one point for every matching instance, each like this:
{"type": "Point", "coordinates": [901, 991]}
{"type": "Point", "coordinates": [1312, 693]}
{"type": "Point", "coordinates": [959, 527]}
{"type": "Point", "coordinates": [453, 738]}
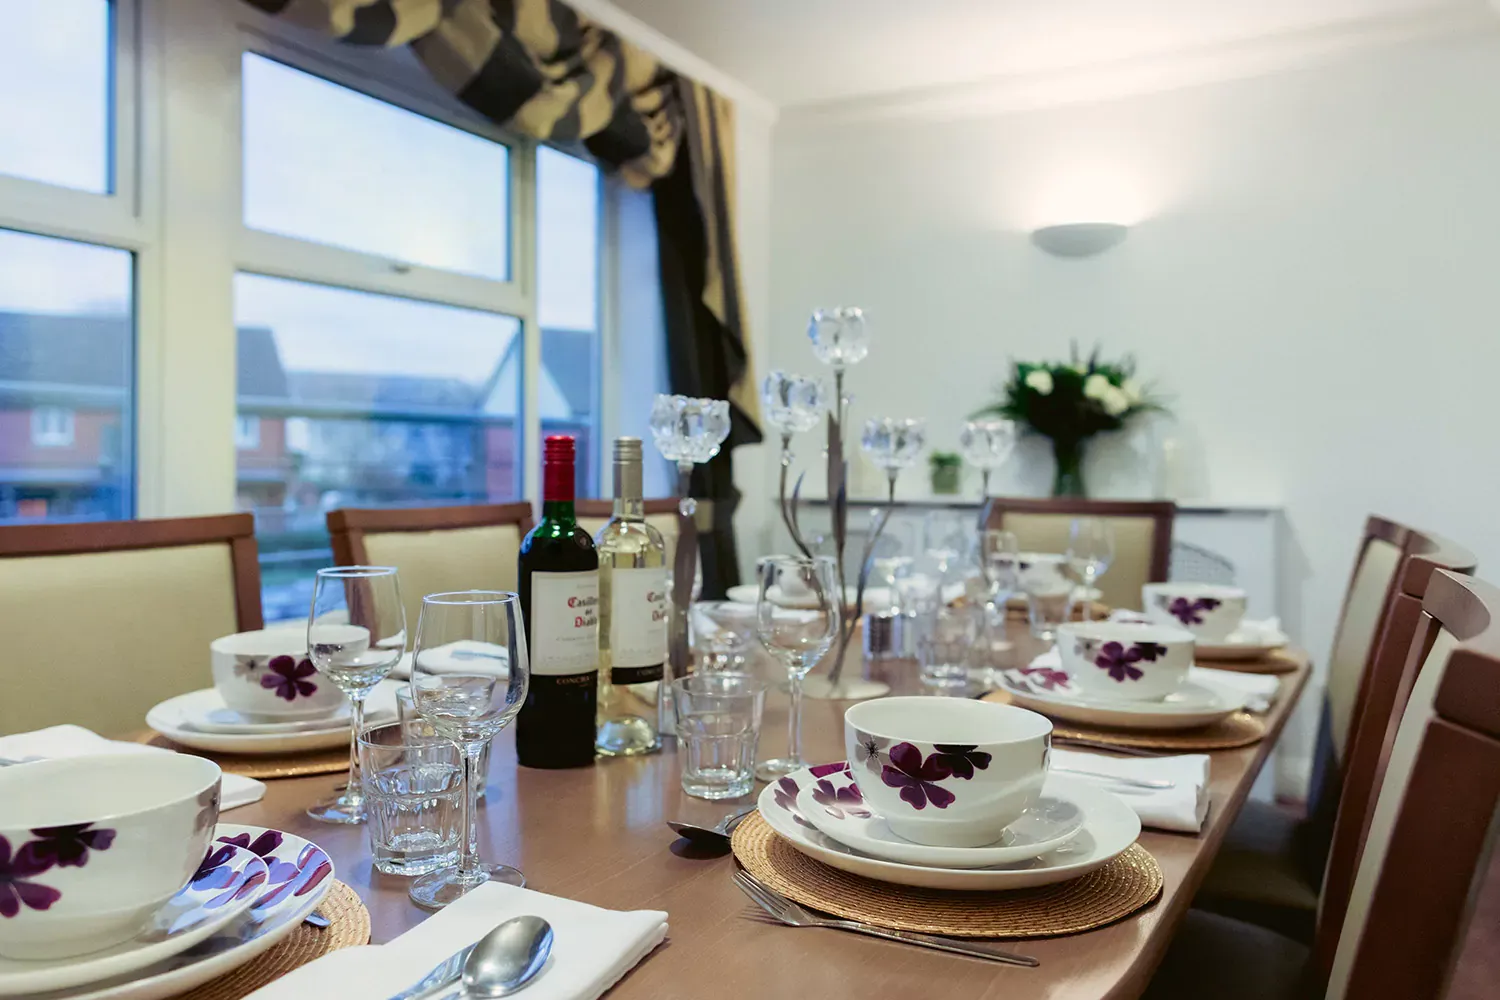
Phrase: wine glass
{"type": "Point", "coordinates": [356, 633]}
{"type": "Point", "coordinates": [1091, 548]}
{"type": "Point", "coordinates": [798, 637]}
{"type": "Point", "coordinates": [999, 554]}
{"type": "Point", "coordinates": [469, 675]}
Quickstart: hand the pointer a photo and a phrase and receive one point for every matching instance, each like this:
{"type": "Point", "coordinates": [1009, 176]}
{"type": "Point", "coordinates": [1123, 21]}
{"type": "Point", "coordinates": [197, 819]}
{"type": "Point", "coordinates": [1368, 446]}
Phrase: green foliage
{"type": "Point", "coordinates": [945, 460]}
{"type": "Point", "coordinates": [1073, 400]}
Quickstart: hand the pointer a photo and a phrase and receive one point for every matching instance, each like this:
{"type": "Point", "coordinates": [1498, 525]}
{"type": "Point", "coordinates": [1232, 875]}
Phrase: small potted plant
{"type": "Point", "coordinates": [946, 466]}
{"type": "Point", "coordinates": [1069, 402]}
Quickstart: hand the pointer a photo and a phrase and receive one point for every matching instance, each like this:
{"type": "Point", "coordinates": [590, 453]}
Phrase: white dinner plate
{"type": "Point", "coordinates": [1194, 704]}
{"type": "Point", "coordinates": [1110, 827]}
{"type": "Point", "coordinates": [175, 719]}
{"type": "Point", "coordinates": [221, 890]}
{"type": "Point", "coordinates": [834, 805]}
{"type": "Point", "coordinates": [299, 876]}
{"type": "Point", "coordinates": [227, 720]}
{"type": "Point", "coordinates": [1231, 650]}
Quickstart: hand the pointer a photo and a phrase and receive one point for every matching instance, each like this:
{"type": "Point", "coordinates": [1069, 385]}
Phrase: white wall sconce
{"type": "Point", "coordinates": [1079, 239]}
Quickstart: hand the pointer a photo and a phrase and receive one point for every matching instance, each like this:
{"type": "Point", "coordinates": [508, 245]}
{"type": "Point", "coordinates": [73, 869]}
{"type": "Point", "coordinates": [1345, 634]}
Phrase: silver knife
{"type": "Point", "coordinates": [442, 976]}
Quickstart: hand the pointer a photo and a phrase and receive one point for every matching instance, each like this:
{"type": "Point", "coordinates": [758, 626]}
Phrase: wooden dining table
{"type": "Point", "coordinates": [598, 834]}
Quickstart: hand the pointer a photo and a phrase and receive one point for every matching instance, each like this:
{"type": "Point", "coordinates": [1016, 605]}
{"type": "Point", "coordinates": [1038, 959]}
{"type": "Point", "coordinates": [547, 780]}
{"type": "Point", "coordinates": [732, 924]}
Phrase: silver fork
{"type": "Point", "coordinates": [795, 915]}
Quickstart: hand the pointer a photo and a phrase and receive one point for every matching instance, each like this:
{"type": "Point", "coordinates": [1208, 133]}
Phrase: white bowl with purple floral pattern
{"type": "Point", "coordinates": [1209, 611]}
{"type": "Point", "coordinates": [92, 847]}
{"type": "Point", "coordinates": [947, 772]}
{"type": "Point", "coordinates": [1124, 661]}
{"type": "Point", "coordinates": [267, 674]}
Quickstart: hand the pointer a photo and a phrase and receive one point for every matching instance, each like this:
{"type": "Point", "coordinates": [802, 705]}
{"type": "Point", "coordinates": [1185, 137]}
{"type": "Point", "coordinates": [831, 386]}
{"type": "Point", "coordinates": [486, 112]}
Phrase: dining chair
{"type": "Point", "coordinates": [1433, 828]}
{"type": "Point", "coordinates": [1142, 530]}
{"type": "Point", "coordinates": [107, 618]}
{"type": "Point", "coordinates": [660, 514]}
{"type": "Point", "coordinates": [1427, 865]}
{"type": "Point", "coordinates": [1271, 869]}
{"type": "Point", "coordinates": [435, 549]}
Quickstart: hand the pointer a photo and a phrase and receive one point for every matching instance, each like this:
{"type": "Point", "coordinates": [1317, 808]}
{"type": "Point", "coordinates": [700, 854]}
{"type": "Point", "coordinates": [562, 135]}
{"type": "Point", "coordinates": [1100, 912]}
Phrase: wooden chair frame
{"type": "Point", "coordinates": [1418, 909]}
{"type": "Point", "coordinates": [1381, 699]}
{"type": "Point", "coordinates": [349, 525]}
{"type": "Point", "coordinates": [1162, 512]}
{"type": "Point", "coordinates": [235, 530]}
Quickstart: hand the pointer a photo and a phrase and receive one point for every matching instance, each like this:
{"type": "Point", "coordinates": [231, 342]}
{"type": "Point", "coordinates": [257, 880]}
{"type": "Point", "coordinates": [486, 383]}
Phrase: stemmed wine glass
{"type": "Point", "coordinates": [356, 633]}
{"type": "Point", "coordinates": [798, 637]}
{"type": "Point", "coordinates": [1091, 548]}
{"type": "Point", "coordinates": [469, 677]}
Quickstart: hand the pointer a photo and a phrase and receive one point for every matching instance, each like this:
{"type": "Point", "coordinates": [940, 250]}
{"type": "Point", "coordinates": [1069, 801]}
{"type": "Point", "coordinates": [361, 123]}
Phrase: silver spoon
{"type": "Point", "coordinates": [507, 958]}
{"type": "Point", "coordinates": [717, 835]}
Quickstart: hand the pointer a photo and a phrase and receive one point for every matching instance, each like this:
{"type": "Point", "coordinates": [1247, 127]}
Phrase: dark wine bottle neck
{"type": "Point", "coordinates": [559, 511]}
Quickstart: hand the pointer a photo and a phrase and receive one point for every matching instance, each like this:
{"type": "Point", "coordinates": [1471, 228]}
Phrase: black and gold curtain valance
{"type": "Point", "coordinates": [542, 69]}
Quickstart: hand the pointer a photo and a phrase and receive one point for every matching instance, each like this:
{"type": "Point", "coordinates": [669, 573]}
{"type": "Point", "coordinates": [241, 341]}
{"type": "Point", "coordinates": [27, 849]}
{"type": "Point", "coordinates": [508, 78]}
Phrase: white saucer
{"type": "Point", "coordinates": [834, 805]}
{"type": "Point", "coordinates": [300, 874]}
{"type": "Point", "coordinates": [1110, 827]}
{"type": "Point", "coordinates": [222, 889]}
{"type": "Point", "coordinates": [1194, 704]}
{"type": "Point", "coordinates": [1232, 649]}
{"type": "Point", "coordinates": [227, 720]}
{"type": "Point", "coordinates": [176, 718]}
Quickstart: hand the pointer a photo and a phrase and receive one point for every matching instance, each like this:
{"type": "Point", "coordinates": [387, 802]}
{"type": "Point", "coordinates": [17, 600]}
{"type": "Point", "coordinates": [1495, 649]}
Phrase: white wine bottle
{"type": "Point", "coordinates": [634, 611]}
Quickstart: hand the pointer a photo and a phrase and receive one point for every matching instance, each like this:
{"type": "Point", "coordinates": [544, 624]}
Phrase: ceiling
{"type": "Point", "coordinates": [799, 52]}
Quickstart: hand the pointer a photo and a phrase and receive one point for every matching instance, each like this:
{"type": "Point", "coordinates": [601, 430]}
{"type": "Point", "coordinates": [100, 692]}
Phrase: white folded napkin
{"type": "Point", "coordinates": [75, 741]}
{"type": "Point", "coordinates": [1181, 808]}
{"type": "Point", "coordinates": [1258, 632]}
{"type": "Point", "coordinates": [1129, 617]}
{"type": "Point", "coordinates": [1259, 689]}
{"type": "Point", "coordinates": [591, 949]}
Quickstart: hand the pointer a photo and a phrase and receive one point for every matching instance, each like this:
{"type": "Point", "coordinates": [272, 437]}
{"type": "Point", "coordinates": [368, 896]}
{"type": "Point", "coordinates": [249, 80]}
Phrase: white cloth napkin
{"type": "Point", "coordinates": [1258, 632]}
{"type": "Point", "coordinates": [75, 741]}
{"type": "Point", "coordinates": [591, 949]}
{"type": "Point", "coordinates": [1181, 808]}
{"type": "Point", "coordinates": [1259, 689]}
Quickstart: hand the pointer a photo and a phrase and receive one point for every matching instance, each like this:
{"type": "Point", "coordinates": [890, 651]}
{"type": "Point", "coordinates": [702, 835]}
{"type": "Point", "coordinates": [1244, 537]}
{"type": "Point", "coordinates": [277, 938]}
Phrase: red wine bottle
{"type": "Point", "coordinates": [559, 571]}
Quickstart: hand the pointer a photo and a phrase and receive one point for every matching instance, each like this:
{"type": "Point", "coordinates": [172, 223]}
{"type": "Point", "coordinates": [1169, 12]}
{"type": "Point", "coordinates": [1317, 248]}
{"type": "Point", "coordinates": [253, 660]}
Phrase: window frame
{"type": "Point", "coordinates": [176, 204]}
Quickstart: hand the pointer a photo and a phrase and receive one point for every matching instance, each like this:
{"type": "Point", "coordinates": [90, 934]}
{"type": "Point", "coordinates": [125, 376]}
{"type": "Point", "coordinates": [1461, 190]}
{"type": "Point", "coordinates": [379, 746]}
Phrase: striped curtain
{"type": "Point", "coordinates": [542, 69]}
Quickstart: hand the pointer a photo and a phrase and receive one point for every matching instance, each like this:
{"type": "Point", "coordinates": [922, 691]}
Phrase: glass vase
{"type": "Point", "coordinates": [1067, 480]}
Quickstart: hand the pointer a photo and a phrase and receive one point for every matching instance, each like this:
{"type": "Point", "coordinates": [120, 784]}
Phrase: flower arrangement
{"type": "Point", "coordinates": [1070, 402]}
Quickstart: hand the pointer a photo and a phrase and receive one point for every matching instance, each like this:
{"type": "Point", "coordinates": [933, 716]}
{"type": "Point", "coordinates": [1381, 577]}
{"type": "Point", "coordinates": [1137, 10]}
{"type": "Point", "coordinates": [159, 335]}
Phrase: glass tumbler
{"type": "Point", "coordinates": [413, 789]}
{"type": "Point", "coordinates": [718, 727]}
{"type": "Point", "coordinates": [945, 645]}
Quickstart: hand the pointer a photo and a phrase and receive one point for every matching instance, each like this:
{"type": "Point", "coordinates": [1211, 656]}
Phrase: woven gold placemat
{"type": "Point", "coordinates": [1100, 897]}
{"type": "Point", "coordinates": [348, 926]}
{"type": "Point", "coordinates": [1238, 730]}
{"type": "Point", "coordinates": [285, 765]}
{"type": "Point", "coordinates": [1278, 661]}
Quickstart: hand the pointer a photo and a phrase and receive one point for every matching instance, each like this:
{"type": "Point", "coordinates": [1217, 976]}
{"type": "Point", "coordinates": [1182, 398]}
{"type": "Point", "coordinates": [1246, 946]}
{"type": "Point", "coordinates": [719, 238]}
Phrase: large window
{"type": "Point", "coordinates": [567, 263]}
{"type": "Point", "coordinates": [55, 119]}
{"type": "Point", "coordinates": [65, 380]}
{"type": "Point", "coordinates": [365, 400]}
{"type": "Point", "coordinates": [247, 267]}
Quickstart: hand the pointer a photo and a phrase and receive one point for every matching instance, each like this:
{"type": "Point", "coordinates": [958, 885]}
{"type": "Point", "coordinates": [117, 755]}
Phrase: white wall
{"type": "Point", "coordinates": [1312, 279]}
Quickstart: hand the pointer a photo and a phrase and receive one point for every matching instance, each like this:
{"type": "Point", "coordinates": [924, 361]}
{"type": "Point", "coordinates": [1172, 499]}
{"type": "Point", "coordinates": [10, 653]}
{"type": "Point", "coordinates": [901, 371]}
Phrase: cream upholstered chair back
{"type": "Point", "coordinates": [1142, 533]}
{"type": "Point", "coordinates": [1433, 829]}
{"type": "Point", "coordinates": [660, 514]}
{"type": "Point", "coordinates": [435, 549]}
{"type": "Point", "coordinates": [1365, 605]}
{"type": "Point", "coordinates": [104, 620]}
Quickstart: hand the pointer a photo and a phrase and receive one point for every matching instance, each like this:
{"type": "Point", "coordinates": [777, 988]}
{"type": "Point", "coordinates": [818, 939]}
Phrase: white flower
{"type": "Point", "coordinates": [1132, 390]}
{"type": "Point", "coordinates": [1115, 402]}
{"type": "Point", "coordinates": [1039, 380]}
{"type": "Point", "coordinates": [1096, 386]}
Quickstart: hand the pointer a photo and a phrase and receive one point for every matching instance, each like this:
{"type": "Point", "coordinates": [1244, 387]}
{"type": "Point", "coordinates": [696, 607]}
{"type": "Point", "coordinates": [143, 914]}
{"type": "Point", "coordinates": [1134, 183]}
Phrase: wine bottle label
{"type": "Point", "coordinates": [564, 623]}
{"type": "Point", "coordinates": [638, 616]}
